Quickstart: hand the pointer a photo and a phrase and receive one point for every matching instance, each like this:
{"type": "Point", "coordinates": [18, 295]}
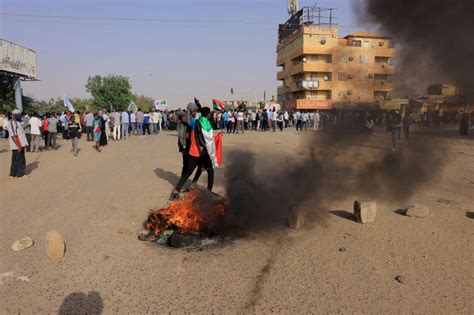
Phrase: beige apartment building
{"type": "Point", "coordinates": [319, 70]}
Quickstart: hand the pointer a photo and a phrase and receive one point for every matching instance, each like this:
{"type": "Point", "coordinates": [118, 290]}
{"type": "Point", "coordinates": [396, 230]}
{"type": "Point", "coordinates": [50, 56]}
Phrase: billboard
{"type": "Point", "coordinates": [161, 105]}
{"type": "Point", "coordinates": [17, 60]}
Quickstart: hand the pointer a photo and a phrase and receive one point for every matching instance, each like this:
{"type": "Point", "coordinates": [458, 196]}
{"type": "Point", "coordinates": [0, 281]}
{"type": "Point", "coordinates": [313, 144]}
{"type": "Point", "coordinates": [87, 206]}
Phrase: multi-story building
{"type": "Point", "coordinates": [319, 70]}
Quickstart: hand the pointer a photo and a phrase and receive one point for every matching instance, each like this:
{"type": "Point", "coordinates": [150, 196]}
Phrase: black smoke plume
{"type": "Point", "coordinates": [434, 40]}
{"type": "Point", "coordinates": [330, 167]}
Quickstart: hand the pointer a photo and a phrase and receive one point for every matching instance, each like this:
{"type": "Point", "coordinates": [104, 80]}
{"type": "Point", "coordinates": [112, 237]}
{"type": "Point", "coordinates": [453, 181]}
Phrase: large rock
{"type": "Point", "coordinates": [22, 244]}
{"type": "Point", "coordinates": [417, 211]}
{"type": "Point", "coordinates": [55, 246]}
{"type": "Point", "coordinates": [365, 211]}
{"type": "Point", "coordinates": [295, 218]}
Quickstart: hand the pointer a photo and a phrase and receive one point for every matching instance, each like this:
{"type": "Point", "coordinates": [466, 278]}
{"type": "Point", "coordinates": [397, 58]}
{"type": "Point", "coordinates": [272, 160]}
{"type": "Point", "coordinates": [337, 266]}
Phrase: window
{"type": "Point", "coordinates": [366, 44]}
{"type": "Point", "coordinates": [357, 43]}
{"type": "Point", "coordinates": [364, 59]}
{"type": "Point", "coordinates": [342, 76]}
{"type": "Point", "coordinates": [343, 59]}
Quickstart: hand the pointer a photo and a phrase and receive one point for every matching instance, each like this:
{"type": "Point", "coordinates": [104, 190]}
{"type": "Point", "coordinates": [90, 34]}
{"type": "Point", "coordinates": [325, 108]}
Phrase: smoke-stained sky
{"type": "Point", "coordinates": [168, 60]}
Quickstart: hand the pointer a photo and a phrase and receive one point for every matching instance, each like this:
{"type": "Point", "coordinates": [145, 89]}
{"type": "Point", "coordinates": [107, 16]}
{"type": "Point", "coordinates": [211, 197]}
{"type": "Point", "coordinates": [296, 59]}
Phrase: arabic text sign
{"type": "Point", "coordinates": [16, 59]}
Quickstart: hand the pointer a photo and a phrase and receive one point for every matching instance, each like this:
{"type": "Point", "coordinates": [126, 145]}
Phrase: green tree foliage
{"type": "Point", "coordinates": [7, 94]}
{"type": "Point", "coordinates": [111, 90]}
{"type": "Point", "coordinates": [143, 102]}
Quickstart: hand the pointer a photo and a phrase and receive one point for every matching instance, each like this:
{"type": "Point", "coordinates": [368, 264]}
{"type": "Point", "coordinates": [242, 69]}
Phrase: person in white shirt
{"type": "Point", "coordinates": [125, 124]}
{"type": "Point", "coordinates": [154, 116]}
{"type": "Point", "coordinates": [17, 141]}
{"type": "Point", "coordinates": [160, 121]}
{"type": "Point", "coordinates": [133, 121]}
{"type": "Point", "coordinates": [317, 118]}
{"type": "Point", "coordinates": [35, 124]}
{"type": "Point", "coordinates": [116, 125]}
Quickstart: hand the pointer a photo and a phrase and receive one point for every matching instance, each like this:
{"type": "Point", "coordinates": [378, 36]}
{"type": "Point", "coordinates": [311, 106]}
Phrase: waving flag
{"type": "Point", "coordinates": [198, 104]}
{"type": "Point", "coordinates": [68, 104]}
{"type": "Point", "coordinates": [18, 93]}
{"type": "Point", "coordinates": [132, 107]}
{"type": "Point", "coordinates": [217, 105]}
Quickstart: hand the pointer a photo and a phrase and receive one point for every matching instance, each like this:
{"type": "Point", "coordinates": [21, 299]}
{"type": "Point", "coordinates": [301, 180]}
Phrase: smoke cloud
{"type": "Point", "coordinates": [331, 167]}
{"type": "Point", "coordinates": [433, 37]}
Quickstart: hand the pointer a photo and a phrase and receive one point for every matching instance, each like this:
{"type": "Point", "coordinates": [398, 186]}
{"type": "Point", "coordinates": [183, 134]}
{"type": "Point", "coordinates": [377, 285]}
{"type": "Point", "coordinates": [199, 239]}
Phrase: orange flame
{"type": "Point", "coordinates": [187, 214]}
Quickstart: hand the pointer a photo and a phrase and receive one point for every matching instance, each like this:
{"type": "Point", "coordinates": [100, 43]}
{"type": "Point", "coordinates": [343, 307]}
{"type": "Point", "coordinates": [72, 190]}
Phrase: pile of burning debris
{"type": "Point", "coordinates": [189, 221]}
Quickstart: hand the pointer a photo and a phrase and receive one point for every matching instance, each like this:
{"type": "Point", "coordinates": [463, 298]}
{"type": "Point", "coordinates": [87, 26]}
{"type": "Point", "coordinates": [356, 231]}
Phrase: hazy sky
{"type": "Point", "coordinates": [165, 60]}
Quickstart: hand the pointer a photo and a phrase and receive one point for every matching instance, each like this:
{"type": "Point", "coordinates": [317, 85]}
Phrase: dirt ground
{"type": "Point", "coordinates": [98, 202]}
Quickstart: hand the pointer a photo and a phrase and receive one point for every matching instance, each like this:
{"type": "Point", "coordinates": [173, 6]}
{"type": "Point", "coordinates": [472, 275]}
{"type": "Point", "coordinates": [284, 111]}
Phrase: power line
{"type": "Point", "coordinates": [108, 18]}
{"type": "Point", "coordinates": [124, 19]}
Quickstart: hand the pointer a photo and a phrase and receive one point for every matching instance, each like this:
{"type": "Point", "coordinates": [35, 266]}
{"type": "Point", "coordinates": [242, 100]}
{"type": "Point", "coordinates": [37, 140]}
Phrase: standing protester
{"type": "Point", "coordinates": [280, 120]}
{"type": "Point", "coordinates": [63, 120]}
{"type": "Point", "coordinates": [146, 123]}
{"type": "Point", "coordinates": [125, 124]}
{"type": "Point", "coordinates": [155, 120]}
{"type": "Point", "coordinates": [394, 122]}
{"type": "Point", "coordinates": [407, 122]}
{"type": "Point", "coordinates": [316, 119]}
{"type": "Point", "coordinates": [77, 116]}
{"type": "Point", "coordinates": [97, 132]}
{"type": "Point", "coordinates": [202, 152]}
{"type": "Point", "coordinates": [17, 142]}
{"type": "Point", "coordinates": [164, 117]}
{"type": "Point", "coordinates": [133, 122]}
{"type": "Point", "coordinates": [140, 118]}
{"type": "Point", "coordinates": [53, 131]}
{"type": "Point", "coordinates": [35, 124]}
{"type": "Point", "coordinates": [89, 118]}
{"type": "Point", "coordinates": [265, 120]}
{"type": "Point", "coordinates": [45, 130]}
{"type": "Point", "coordinates": [299, 121]}
{"type": "Point", "coordinates": [103, 128]}
{"type": "Point", "coordinates": [115, 118]}
{"type": "Point", "coordinates": [240, 121]}
{"type": "Point", "coordinates": [74, 130]}
{"type": "Point", "coordinates": [27, 128]}
{"type": "Point", "coordinates": [106, 118]}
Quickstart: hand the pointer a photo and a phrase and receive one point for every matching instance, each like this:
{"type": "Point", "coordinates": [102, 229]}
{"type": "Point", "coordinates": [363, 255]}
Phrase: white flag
{"type": "Point", "coordinates": [68, 104]}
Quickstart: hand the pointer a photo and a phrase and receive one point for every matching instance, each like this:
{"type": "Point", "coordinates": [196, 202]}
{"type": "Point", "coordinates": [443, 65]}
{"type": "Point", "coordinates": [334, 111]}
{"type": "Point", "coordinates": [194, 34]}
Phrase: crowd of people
{"type": "Point", "coordinates": [35, 132]}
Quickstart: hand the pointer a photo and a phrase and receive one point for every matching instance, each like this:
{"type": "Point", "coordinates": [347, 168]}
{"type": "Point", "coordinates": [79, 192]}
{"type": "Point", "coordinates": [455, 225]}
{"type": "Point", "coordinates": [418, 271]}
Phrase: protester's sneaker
{"type": "Point", "coordinates": [174, 194]}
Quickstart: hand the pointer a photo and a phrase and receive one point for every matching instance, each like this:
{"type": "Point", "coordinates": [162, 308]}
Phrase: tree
{"type": "Point", "coordinates": [143, 102]}
{"type": "Point", "coordinates": [7, 94]}
{"type": "Point", "coordinates": [111, 90]}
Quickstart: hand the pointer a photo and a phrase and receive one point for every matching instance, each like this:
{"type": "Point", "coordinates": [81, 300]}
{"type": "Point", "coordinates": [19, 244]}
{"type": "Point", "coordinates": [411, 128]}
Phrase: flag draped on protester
{"type": "Point", "coordinates": [132, 107]}
{"type": "Point", "coordinates": [208, 134]}
{"type": "Point", "coordinates": [217, 105]}
{"type": "Point", "coordinates": [68, 104]}
{"type": "Point", "coordinates": [218, 142]}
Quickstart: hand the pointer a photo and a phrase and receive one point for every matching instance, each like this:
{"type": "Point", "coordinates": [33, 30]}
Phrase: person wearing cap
{"type": "Point", "coordinates": [17, 141]}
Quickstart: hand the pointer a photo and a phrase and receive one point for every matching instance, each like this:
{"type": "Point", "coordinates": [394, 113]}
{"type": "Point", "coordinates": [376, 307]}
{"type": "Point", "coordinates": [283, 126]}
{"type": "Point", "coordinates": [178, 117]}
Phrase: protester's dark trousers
{"type": "Point", "coordinates": [18, 165]}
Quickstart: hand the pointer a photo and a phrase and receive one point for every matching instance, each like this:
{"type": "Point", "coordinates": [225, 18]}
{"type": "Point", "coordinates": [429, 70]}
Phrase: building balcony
{"type": "Point", "coordinates": [383, 68]}
{"type": "Point", "coordinates": [310, 85]}
{"type": "Point", "coordinates": [281, 75]}
{"type": "Point", "coordinates": [383, 85]}
{"type": "Point", "coordinates": [311, 67]}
